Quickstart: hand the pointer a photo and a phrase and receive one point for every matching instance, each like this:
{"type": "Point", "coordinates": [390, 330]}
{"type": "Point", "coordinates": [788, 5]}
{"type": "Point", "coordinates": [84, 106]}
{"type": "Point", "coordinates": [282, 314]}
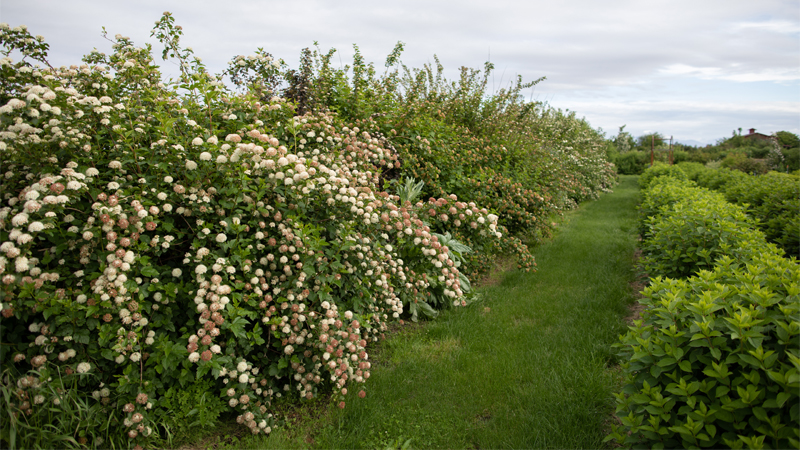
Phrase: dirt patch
{"type": "Point", "coordinates": [226, 436]}
{"type": "Point", "coordinates": [635, 309]}
{"type": "Point", "coordinates": [483, 417]}
{"type": "Point", "coordinates": [500, 266]}
{"type": "Point", "coordinates": [379, 355]}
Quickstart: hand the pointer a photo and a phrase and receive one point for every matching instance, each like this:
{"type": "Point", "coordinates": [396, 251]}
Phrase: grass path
{"type": "Point", "coordinates": [526, 367]}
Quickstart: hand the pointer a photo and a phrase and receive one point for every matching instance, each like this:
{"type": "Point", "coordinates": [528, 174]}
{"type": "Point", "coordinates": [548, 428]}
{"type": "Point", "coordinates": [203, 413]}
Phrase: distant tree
{"type": "Point", "coordinates": [787, 139]}
{"type": "Point", "coordinates": [624, 140]}
{"type": "Point", "coordinates": [645, 140]}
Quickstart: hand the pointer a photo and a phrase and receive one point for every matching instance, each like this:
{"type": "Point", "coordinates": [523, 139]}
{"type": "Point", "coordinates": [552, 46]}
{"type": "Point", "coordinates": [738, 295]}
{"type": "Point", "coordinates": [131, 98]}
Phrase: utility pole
{"type": "Point", "coordinates": [652, 149]}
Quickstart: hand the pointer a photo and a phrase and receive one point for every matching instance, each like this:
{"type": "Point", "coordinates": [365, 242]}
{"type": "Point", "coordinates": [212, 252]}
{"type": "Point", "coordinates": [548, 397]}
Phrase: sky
{"type": "Point", "coordinates": [694, 70]}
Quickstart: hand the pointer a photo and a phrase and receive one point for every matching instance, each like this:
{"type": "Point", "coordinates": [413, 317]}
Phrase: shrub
{"type": "Point", "coordinates": [660, 170]}
{"type": "Point", "coordinates": [188, 412]}
{"type": "Point", "coordinates": [772, 199]}
{"type": "Point", "coordinates": [662, 194]}
{"type": "Point", "coordinates": [631, 163]}
{"type": "Point", "coordinates": [791, 158]}
{"type": "Point", "coordinates": [714, 362]}
{"type": "Point", "coordinates": [692, 169]}
{"type": "Point", "coordinates": [740, 162]}
{"type": "Point", "coordinates": [160, 236]}
{"type": "Point", "coordinates": [524, 161]}
{"type": "Point", "coordinates": [165, 239]}
{"type": "Point", "coordinates": [692, 233]}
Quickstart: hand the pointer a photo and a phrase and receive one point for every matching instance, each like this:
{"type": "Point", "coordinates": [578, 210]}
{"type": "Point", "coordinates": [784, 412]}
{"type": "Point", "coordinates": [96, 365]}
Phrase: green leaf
{"type": "Point", "coordinates": [748, 359]}
{"type": "Point", "coordinates": [428, 310]}
{"type": "Point", "coordinates": [760, 413]}
{"type": "Point", "coordinates": [149, 271]}
{"type": "Point", "coordinates": [782, 398]}
{"type": "Point", "coordinates": [81, 336]}
{"type": "Point", "coordinates": [665, 362]}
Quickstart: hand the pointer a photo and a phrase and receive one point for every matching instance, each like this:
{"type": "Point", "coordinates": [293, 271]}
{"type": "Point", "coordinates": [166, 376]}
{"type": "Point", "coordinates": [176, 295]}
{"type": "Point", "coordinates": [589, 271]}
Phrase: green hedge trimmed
{"type": "Point", "coordinates": [659, 170]}
{"type": "Point", "coordinates": [715, 360]}
{"type": "Point", "coordinates": [692, 233]}
{"type": "Point", "coordinates": [773, 199]}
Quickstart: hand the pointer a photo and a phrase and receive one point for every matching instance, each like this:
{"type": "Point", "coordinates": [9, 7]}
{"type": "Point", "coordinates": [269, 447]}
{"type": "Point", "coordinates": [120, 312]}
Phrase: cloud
{"type": "Point", "coordinates": [689, 120]}
{"type": "Point", "coordinates": [718, 73]}
{"type": "Point", "coordinates": [774, 26]}
{"type": "Point", "coordinates": [591, 52]}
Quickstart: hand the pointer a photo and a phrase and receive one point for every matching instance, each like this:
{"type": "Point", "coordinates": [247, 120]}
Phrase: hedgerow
{"type": "Point", "coordinates": [523, 160]}
{"type": "Point", "coordinates": [164, 241]}
{"type": "Point", "coordinates": [714, 361]}
{"type": "Point", "coordinates": [660, 169]}
{"type": "Point", "coordinates": [773, 199]}
{"type": "Point", "coordinates": [690, 229]}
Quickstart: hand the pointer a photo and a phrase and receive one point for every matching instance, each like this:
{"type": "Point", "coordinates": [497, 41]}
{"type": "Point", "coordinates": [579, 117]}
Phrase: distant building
{"type": "Point", "coordinates": [757, 136]}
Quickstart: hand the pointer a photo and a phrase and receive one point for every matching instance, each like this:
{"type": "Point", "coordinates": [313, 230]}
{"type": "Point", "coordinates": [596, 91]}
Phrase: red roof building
{"type": "Point", "coordinates": [758, 136]}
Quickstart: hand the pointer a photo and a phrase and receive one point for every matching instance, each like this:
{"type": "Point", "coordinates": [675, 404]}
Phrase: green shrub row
{"type": "Point", "coordinates": [773, 199]}
{"type": "Point", "coordinates": [714, 361]}
{"type": "Point", "coordinates": [687, 228]}
{"type": "Point", "coordinates": [660, 170]}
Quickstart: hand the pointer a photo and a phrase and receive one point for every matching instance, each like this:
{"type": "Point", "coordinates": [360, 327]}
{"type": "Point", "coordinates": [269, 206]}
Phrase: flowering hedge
{"type": "Point", "coordinates": [157, 235]}
{"type": "Point", "coordinates": [523, 160]}
{"type": "Point", "coordinates": [163, 238]}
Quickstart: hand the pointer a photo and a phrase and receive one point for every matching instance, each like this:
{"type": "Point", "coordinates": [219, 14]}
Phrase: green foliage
{"type": "Point", "coordinates": [55, 414]}
{"type": "Point", "coordinates": [662, 193]}
{"type": "Point", "coordinates": [523, 161]}
{"type": "Point", "coordinates": [679, 156]}
{"type": "Point", "coordinates": [782, 153]}
{"type": "Point", "coordinates": [742, 163]}
{"type": "Point", "coordinates": [160, 239]}
{"type": "Point", "coordinates": [660, 170]}
{"type": "Point", "coordinates": [693, 233]}
{"type": "Point", "coordinates": [410, 191]}
{"type": "Point", "coordinates": [692, 169]}
{"type": "Point", "coordinates": [186, 412]}
{"type": "Point", "coordinates": [715, 359]}
{"type": "Point", "coordinates": [714, 362]}
{"type": "Point", "coordinates": [791, 157]}
{"type": "Point", "coordinates": [772, 199]}
{"type": "Point", "coordinates": [185, 251]}
{"type": "Point", "coordinates": [686, 229]}
{"type": "Point", "coordinates": [632, 163]}
{"type": "Point", "coordinates": [647, 140]}
{"type": "Point", "coordinates": [787, 139]}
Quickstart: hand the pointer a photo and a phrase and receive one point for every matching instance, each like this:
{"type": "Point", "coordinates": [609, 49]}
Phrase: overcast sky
{"type": "Point", "coordinates": [695, 70]}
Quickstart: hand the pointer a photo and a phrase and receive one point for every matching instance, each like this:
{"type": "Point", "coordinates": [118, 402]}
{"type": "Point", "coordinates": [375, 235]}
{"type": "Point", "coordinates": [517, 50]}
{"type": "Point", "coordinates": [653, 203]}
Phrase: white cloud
{"type": "Point", "coordinates": [774, 26]}
{"type": "Point", "coordinates": [647, 50]}
{"type": "Point", "coordinates": [718, 73]}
